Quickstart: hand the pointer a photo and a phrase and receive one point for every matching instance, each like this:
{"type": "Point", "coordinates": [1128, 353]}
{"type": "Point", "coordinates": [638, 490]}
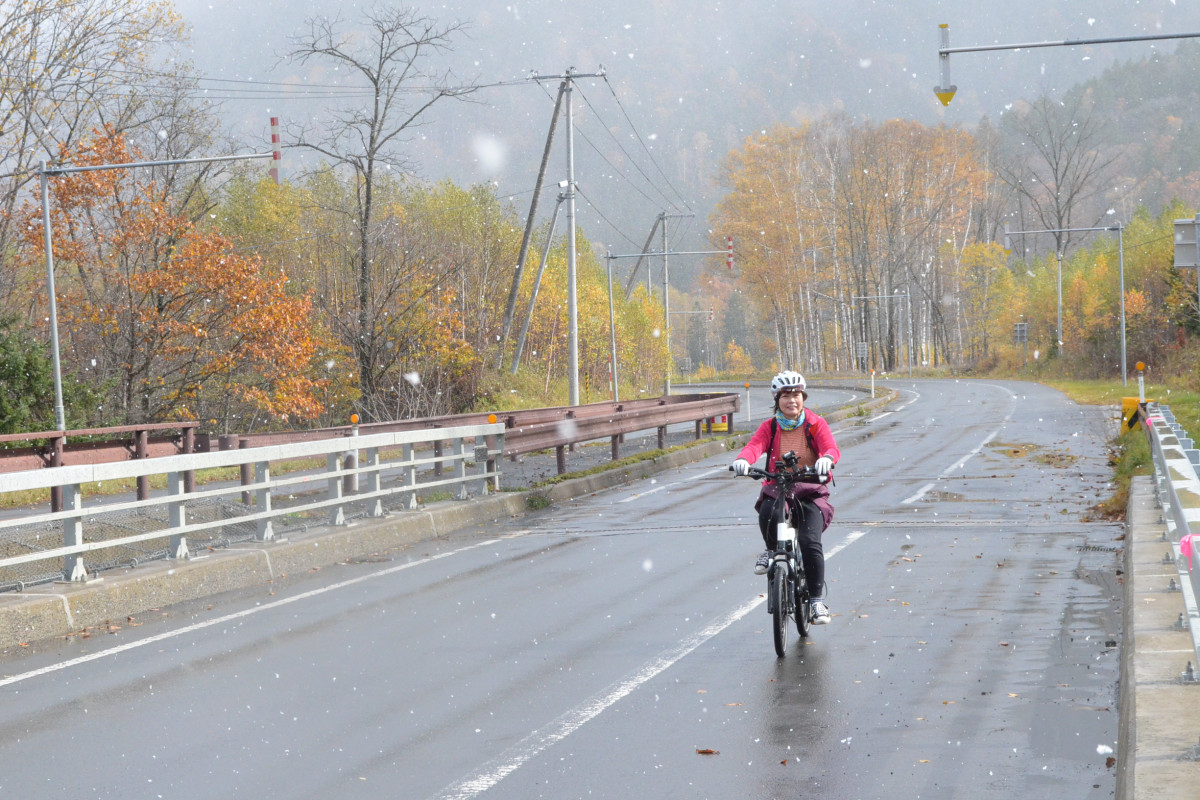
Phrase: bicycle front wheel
{"type": "Point", "coordinates": [780, 588]}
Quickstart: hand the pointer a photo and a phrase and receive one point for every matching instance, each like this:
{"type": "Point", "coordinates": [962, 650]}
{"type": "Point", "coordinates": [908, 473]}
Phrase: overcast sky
{"type": "Point", "coordinates": [686, 79]}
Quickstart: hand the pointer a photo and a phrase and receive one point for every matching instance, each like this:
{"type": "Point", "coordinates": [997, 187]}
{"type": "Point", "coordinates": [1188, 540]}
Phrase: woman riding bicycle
{"type": "Point", "coordinates": [793, 428]}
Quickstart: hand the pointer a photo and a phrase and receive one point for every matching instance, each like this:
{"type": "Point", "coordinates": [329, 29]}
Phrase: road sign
{"type": "Point", "coordinates": [1185, 242]}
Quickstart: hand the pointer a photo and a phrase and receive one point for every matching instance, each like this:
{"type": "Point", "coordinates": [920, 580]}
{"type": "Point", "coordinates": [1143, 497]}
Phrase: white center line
{"type": "Point", "coordinates": [512, 759]}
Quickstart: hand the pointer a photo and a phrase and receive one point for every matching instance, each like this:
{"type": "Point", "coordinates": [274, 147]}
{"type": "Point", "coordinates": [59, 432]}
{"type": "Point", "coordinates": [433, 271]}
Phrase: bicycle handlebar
{"type": "Point", "coordinates": [797, 475]}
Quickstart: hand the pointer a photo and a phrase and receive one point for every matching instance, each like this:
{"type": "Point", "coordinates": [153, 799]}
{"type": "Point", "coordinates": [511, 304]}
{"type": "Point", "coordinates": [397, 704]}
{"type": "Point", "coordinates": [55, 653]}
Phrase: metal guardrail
{"type": "Point", "coordinates": [527, 431]}
{"type": "Point", "coordinates": [101, 530]}
{"type": "Point", "coordinates": [119, 533]}
{"type": "Point", "coordinates": [1178, 489]}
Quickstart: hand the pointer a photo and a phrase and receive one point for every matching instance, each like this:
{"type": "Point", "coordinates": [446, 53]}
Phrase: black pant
{"type": "Point", "coordinates": [809, 525]}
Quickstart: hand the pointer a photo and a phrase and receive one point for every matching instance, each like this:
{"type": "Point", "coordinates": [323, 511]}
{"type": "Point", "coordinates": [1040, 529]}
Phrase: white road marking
{"type": "Point", "coordinates": [853, 537]}
{"type": "Point", "coordinates": [920, 493]}
{"type": "Point", "coordinates": [112, 651]}
{"type": "Point", "coordinates": [697, 476]}
{"type": "Point", "coordinates": [956, 465]}
{"type": "Point", "coordinates": [512, 759]}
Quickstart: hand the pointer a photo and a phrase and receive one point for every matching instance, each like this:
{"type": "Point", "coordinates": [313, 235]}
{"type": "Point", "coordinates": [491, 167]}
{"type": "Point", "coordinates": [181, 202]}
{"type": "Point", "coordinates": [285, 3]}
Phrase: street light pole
{"type": "Point", "coordinates": [44, 172]}
{"type": "Point", "coordinates": [1120, 229]}
{"type": "Point", "coordinates": [60, 417]}
{"type": "Point", "coordinates": [1060, 330]}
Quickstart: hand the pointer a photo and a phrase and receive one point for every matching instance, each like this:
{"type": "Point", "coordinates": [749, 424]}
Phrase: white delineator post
{"type": "Point", "coordinates": [276, 152]}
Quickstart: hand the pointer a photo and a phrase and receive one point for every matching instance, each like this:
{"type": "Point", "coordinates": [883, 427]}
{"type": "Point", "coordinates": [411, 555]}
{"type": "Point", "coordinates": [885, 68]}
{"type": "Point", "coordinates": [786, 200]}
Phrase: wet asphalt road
{"type": "Point", "coordinates": [593, 649]}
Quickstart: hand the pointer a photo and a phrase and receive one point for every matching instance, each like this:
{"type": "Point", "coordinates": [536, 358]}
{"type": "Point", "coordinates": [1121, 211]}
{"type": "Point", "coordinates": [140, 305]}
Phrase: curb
{"type": "Point", "coordinates": [1159, 714]}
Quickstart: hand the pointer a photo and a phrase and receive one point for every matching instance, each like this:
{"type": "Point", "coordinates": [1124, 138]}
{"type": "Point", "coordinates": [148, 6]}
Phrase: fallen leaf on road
{"type": "Point", "coordinates": [708, 752]}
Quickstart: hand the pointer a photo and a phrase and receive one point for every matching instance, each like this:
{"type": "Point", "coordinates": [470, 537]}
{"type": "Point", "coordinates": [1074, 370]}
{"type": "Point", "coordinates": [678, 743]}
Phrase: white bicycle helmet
{"type": "Point", "coordinates": [788, 379]}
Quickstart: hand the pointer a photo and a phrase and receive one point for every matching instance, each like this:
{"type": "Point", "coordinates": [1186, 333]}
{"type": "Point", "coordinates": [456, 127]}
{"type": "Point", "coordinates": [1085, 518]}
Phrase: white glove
{"type": "Point", "coordinates": [741, 467]}
{"type": "Point", "coordinates": [823, 466]}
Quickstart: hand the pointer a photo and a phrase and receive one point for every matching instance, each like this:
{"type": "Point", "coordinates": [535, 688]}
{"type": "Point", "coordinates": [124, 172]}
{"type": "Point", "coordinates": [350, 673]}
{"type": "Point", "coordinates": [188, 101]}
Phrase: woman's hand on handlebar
{"type": "Point", "coordinates": [740, 467]}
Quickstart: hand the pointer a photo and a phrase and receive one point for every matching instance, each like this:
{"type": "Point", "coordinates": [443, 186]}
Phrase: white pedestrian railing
{"type": "Point", "coordinates": [365, 470]}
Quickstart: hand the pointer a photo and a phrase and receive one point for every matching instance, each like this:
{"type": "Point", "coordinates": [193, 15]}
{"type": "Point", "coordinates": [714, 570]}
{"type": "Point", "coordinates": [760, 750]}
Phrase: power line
{"type": "Point", "coordinates": [645, 147]}
{"type": "Point", "coordinates": [588, 200]}
{"type": "Point", "coordinates": [617, 141]}
{"type": "Point", "coordinates": [604, 158]}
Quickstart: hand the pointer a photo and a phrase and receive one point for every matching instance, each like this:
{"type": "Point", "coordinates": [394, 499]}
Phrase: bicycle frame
{"type": "Point", "coordinates": [787, 591]}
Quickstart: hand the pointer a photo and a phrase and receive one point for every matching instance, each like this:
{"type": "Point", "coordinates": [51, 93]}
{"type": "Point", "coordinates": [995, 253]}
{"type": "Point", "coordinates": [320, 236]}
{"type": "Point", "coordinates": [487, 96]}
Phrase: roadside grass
{"type": "Point", "coordinates": [1131, 451]}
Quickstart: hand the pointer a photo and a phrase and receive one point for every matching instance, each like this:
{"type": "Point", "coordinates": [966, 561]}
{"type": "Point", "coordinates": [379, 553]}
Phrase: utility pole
{"type": "Point", "coordinates": [537, 282]}
{"type": "Point", "coordinates": [568, 79]}
{"type": "Point", "coordinates": [533, 205]}
{"type": "Point", "coordinates": [572, 305]}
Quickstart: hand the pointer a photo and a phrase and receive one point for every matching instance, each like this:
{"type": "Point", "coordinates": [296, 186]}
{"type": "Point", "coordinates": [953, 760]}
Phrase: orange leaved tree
{"type": "Point", "coordinates": [167, 318]}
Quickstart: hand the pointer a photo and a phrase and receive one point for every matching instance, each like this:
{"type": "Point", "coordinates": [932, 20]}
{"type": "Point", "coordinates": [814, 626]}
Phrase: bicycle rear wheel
{"type": "Point", "coordinates": [780, 589]}
{"type": "Point", "coordinates": [803, 609]}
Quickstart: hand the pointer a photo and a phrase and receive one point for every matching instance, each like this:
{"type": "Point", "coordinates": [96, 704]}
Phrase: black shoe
{"type": "Point", "coordinates": [764, 561]}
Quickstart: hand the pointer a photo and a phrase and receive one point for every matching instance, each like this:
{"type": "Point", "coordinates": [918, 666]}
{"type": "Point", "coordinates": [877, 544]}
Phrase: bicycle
{"type": "Point", "coordinates": [787, 589]}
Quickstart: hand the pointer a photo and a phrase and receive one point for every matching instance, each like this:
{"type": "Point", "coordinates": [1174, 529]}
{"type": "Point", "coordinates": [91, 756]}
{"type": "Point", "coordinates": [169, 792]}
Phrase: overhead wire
{"type": "Point", "coordinates": [611, 224]}
{"type": "Point", "coordinates": [617, 141]}
{"type": "Point", "coordinates": [642, 141]}
{"type": "Point", "coordinates": [604, 158]}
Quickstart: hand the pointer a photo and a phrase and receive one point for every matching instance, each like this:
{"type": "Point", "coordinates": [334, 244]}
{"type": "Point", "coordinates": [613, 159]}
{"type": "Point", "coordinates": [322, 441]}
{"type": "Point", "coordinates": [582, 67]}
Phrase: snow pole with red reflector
{"type": "Point", "coordinates": [276, 152]}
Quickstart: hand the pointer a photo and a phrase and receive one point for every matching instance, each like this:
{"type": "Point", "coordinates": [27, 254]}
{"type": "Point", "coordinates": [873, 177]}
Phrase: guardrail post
{"type": "Point", "coordinates": [177, 514]}
{"type": "Point", "coordinates": [141, 449]}
{"type": "Point", "coordinates": [460, 467]}
{"type": "Point", "coordinates": [510, 422]}
{"type": "Point", "coordinates": [492, 445]}
{"type": "Point", "coordinates": [662, 437]}
{"type": "Point", "coordinates": [616, 447]}
{"type": "Point", "coordinates": [410, 476]}
{"type": "Point", "coordinates": [57, 445]}
{"type": "Point", "coordinates": [373, 481]}
{"type": "Point", "coordinates": [699, 428]}
{"type": "Point", "coordinates": [73, 566]}
{"type": "Point", "coordinates": [350, 461]}
{"type": "Point", "coordinates": [560, 459]}
{"type": "Point", "coordinates": [245, 470]}
{"type": "Point", "coordinates": [437, 454]}
{"type": "Point", "coordinates": [189, 446]}
{"type": "Point", "coordinates": [337, 514]}
{"type": "Point", "coordinates": [262, 475]}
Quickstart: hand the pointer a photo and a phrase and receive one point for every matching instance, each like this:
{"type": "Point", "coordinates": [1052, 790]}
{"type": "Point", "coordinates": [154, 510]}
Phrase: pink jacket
{"type": "Point", "coordinates": [820, 438]}
{"type": "Point", "coordinates": [815, 426]}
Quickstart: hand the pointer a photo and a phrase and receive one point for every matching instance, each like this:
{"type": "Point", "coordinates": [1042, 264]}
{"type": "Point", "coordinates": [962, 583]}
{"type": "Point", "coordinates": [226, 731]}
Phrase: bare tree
{"type": "Point", "coordinates": [392, 56]}
{"type": "Point", "coordinates": [1055, 164]}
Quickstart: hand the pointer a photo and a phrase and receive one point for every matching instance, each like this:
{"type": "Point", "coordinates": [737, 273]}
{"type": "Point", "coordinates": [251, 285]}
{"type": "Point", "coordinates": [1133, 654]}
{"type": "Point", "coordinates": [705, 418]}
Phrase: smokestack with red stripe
{"type": "Point", "coordinates": [729, 257]}
{"type": "Point", "coordinates": [276, 153]}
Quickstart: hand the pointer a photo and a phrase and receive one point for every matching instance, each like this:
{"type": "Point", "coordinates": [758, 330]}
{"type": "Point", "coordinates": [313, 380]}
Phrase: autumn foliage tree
{"type": "Point", "coordinates": [168, 318]}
